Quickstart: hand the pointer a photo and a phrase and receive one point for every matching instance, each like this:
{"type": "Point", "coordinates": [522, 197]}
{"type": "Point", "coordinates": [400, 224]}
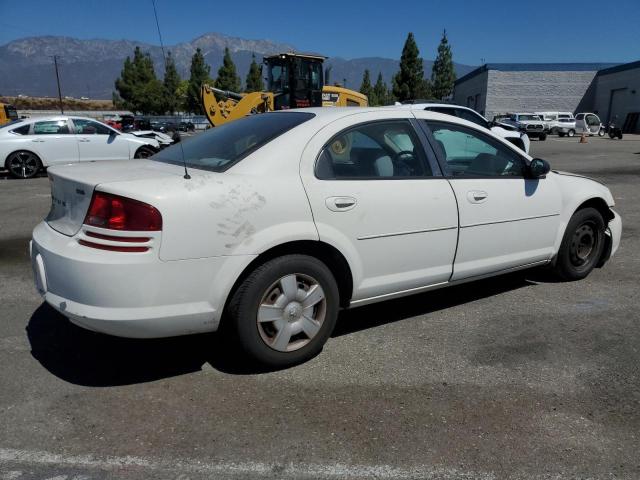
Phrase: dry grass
{"type": "Point", "coordinates": [48, 103]}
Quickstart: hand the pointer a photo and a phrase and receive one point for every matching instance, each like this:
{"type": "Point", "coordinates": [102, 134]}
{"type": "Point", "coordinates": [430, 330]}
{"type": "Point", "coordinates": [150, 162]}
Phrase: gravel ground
{"type": "Point", "coordinates": [512, 377]}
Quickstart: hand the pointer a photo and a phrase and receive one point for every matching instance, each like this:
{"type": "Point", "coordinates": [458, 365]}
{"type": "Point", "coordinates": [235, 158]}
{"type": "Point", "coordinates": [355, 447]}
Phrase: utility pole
{"type": "Point", "coordinates": [55, 62]}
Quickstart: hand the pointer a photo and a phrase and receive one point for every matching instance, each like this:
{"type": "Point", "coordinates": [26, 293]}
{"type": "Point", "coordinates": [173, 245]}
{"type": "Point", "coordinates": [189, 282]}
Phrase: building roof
{"type": "Point", "coordinates": [620, 68]}
{"type": "Point", "coordinates": [538, 67]}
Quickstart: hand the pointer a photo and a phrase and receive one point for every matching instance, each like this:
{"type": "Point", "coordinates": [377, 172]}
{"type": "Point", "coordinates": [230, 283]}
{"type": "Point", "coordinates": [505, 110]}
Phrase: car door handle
{"type": "Point", "coordinates": [340, 204]}
{"type": "Point", "coordinates": [477, 196]}
{"type": "Point", "coordinates": [37, 140]}
{"type": "Point", "coordinates": [84, 140]}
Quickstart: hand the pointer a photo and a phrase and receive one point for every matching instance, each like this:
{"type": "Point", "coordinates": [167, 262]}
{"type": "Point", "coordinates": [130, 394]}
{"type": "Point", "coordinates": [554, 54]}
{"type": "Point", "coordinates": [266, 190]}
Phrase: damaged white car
{"type": "Point", "coordinates": [29, 145]}
{"type": "Point", "coordinates": [270, 224]}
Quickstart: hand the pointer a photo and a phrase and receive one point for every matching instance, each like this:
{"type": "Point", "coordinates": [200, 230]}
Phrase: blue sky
{"type": "Point", "coordinates": [496, 31]}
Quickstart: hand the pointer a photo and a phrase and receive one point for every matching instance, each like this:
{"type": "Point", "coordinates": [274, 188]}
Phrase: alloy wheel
{"type": "Point", "coordinates": [291, 312]}
{"type": "Point", "coordinates": [23, 164]}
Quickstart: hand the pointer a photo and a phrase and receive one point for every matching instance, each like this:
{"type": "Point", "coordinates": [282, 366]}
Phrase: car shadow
{"type": "Point", "coordinates": [87, 358]}
{"type": "Point", "coordinates": [377, 314]}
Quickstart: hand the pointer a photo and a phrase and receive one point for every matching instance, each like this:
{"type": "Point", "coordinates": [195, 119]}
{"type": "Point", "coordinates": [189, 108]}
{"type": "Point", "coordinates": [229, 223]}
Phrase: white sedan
{"type": "Point", "coordinates": [270, 224]}
{"type": "Point", "coordinates": [27, 146]}
{"type": "Point", "coordinates": [508, 132]}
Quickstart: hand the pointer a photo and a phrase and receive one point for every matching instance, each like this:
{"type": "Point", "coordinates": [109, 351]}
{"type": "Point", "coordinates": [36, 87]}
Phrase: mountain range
{"type": "Point", "coordinates": [88, 68]}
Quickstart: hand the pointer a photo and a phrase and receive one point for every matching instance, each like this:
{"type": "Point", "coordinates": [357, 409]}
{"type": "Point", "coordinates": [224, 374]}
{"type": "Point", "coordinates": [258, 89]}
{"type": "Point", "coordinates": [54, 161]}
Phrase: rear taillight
{"type": "Point", "coordinates": [121, 213]}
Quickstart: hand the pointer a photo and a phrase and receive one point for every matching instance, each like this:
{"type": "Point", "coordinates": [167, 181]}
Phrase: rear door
{"type": "Point", "coordinates": [99, 142]}
{"type": "Point", "coordinates": [377, 197]}
{"type": "Point", "coordinates": [506, 219]}
{"type": "Point", "coordinates": [53, 142]}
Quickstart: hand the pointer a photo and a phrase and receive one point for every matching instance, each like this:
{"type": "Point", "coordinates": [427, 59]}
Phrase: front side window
{"type": "Point", "coordinates": [51, 127]}
{"type": "Point", "coordinates": [89, 127]}
{"type": "Point", "coordinates": [376, 150]}
{"type": "Point", "coordinates": [219, 148]}
{"type": "Point", "coordinates": [471, 153]}
{"type": "Point", "coordinates": [592, 120]}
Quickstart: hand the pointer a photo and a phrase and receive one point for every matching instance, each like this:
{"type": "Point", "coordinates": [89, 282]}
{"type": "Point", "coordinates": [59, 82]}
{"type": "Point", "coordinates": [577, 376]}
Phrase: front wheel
{"type": "Point", "coordinates": [601, 132]}
{"type": "Point", "coordinates": [284, 311]}
{"type": "Point", "coordinates": [23, 164]}
{"type": "Point", "coordinates": [582, 245]}
{"type": "Point", "coordinates": [571, 133]}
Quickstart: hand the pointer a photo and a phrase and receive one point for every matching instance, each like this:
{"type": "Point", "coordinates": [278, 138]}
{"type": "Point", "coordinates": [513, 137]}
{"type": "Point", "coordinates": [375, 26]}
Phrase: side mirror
{"type": "Point", "coordinates": [538, 168]}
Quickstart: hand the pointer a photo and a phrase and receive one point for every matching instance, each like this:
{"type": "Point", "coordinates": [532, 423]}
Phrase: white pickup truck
{"type": "Point", "coordinates": [528, 123]}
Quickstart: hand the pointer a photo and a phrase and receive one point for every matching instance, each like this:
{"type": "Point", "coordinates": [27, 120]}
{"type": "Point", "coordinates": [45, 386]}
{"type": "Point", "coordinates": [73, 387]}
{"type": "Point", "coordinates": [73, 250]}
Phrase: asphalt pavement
{"type": "Point", "coordinates": [513, 377]}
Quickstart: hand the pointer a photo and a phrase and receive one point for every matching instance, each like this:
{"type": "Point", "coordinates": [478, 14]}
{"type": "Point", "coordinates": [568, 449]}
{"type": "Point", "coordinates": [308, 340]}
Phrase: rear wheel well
{"type": "Point", "coordinates": [324, 252]}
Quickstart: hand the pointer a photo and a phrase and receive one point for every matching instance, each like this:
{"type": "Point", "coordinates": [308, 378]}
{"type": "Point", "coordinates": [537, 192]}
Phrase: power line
{"type": "Point", "coordinates": [155, 12]}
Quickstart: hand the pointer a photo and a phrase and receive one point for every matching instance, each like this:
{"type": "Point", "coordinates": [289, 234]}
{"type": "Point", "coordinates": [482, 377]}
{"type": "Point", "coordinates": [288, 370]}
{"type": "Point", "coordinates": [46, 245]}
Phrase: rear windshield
{"type": "Point", "coordinates": [219, 148]}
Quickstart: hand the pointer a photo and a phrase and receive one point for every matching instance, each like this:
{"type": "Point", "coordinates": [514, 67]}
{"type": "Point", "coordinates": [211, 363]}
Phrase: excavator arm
{"type": "Point", "coordinates": [233, 105]}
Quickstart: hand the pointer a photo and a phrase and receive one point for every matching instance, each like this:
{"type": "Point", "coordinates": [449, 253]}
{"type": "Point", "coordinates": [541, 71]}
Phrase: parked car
{"type": "Point", "coordinates": [555, 120]}
{"type": "Point", "coordinates": [270, 224]}
{"type": "Point", "coordinates": [511, 134]}
{"type": "Point", "coordinates": [27, 146]}
{"type": "Point", "coordinates": [566, 126]}
{"type": "Point", "coordinates": [186, 126]}
{"type": "Point", "coordinates": [528, 123]}
{"type": "Point", "coordinates": [589, 124]}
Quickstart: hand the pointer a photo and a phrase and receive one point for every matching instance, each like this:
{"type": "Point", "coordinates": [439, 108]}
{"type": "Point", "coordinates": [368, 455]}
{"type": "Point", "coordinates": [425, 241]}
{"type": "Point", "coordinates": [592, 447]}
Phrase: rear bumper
{"type": "Point", "coordinates": [130, 294]}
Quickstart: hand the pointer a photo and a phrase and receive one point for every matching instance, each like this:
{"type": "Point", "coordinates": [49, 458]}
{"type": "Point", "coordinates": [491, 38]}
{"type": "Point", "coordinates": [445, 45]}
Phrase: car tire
{"type": "Point", "coordinates": [542, 137]}
{"type": "Point", "coordinates": [268, 316]}
{"type": "Point", "coordinates": [582, 245]}
{"type": "Point", "coordinates": [612, 135]}
{"type": "Point", "coordinates": [571, 133]}
{"type": "Point", "coordinates": [23, 164]}
{"type": "Point", "coordinates": [601, 132]}
{"type": "Point", "coordinates": [144, 152]}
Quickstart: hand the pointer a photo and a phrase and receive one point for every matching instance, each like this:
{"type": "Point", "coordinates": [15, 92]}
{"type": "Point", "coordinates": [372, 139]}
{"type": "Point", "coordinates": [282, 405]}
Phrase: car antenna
{"type": "Point", "coordinates": [184, 161]}
{"type": "Point", "coordinates": [164, 58]}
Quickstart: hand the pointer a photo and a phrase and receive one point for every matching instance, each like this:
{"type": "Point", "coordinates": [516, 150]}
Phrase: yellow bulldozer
{"type": "Point", "coordinates": [294, 80]}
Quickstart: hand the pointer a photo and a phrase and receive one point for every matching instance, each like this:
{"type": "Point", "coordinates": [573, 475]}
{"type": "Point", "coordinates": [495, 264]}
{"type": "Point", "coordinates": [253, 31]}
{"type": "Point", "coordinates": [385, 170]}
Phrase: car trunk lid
{"type": "Point", "coordinates": [72, 187]}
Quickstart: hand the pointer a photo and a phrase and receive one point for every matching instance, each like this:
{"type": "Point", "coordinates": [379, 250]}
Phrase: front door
{"type": "Point", "coordinates": [506, 219]}
{"type": "Point", "coordinates": [98, 142]}
{"type": "Point", "coordinates": [375, 195]}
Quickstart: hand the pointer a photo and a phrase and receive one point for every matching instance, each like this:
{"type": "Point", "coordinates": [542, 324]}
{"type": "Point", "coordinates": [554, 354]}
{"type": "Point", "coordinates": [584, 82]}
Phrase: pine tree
{"type": "Point", "coordinates": [254, 77]}
{"type": "Point", "coordinates": [171, 83]}
{"type": "Point", "coordinates": [409, 83]}
{"type": "Point", "coordinates": [199, 75]}
{"type": "Point", "coordinates": [443, 74]}
{"type": "Point", "coordinates": [227, 77]}
{"type": "Point", "coordinates": [380, 92]}
{"type": "Point", "coordinates": [138, 86]}
{"type": "Point", "coordinates": [366, 88]}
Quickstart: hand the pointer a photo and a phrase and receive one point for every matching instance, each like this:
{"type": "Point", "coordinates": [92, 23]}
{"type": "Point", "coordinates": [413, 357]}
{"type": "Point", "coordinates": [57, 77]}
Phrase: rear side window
{"type": "Point", "coordinates": [219, 148]}
{"type": "Point", "coordinates": [23, 130]}
{"type": "Point", "coordinates": [51, 127]}
{"type": "Point", "coordinates": [375, 151]}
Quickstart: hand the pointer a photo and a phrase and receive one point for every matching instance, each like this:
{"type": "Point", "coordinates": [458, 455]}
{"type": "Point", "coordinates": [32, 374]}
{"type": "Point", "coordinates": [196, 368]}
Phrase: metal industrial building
{"type": "Point", "coordinates": [609, 90]}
